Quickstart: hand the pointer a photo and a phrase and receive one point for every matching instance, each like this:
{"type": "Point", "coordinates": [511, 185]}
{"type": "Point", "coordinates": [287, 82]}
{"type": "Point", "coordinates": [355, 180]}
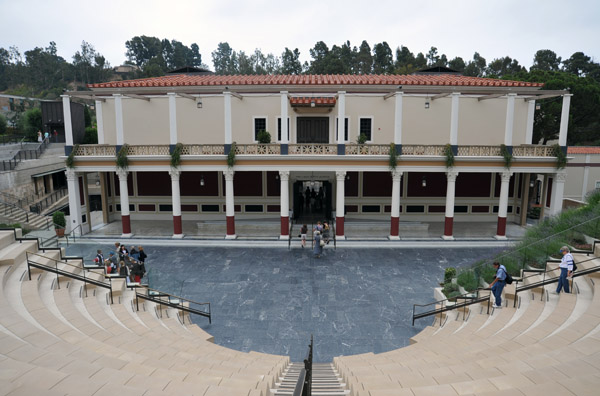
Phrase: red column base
{"type": "Point", "coordinates": [230, 225]}
{"type": "Point", "coordinates": [339, 226]}
{"type": "Point", "coordinates": [285, 226]}
{"type": "Point", "coordinates": [448, 226]}
{"type": "Point", "coordinates": [126, 224]}
{"type": "Point", "coordinates": [395, 226]}
{"type": "Point", "coordinates": [177, 227]}
{"type": "Point", "coordinates": [501, 229]}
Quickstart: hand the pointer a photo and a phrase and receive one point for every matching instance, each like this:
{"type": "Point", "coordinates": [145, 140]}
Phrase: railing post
{"type": "Point", "coordinates": [516, 291]}
{"type": "Point", "coordinates": [28, 266]}
{"type": "Point", "coordinates": [57, 278]}
{"type": "Point", "coordinates": [111, 291]}
{"type": "Point", "coordinates": [84, 278]}
{"type": "Point", "coordinates": [137, 302]}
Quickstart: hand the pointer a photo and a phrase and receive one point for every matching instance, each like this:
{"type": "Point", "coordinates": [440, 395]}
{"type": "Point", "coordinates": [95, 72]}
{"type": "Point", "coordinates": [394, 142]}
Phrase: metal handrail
{"type": "Point", "coordinates": [156, 298]}
{"type": "Point", "coordinates": [304, 383]}
{"type": "Point", "coordinates": [27, 154]}
{"type": "Point", "coordinates": [472, 299]}
{"type": "Point", "coordinates": [290, 233]}
{"type": "Point", "coordinates": [23, 211]}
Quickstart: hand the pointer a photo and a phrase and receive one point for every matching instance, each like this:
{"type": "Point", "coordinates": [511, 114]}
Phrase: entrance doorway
{"type": "Point", "coordinates": [312, 130]}
{"type": "Point", "coordinates": [312, 201]}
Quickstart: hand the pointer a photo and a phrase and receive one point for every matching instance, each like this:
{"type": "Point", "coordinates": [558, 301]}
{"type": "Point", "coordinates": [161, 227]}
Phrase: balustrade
{"type": "Point", "coordinates": [312, 149]}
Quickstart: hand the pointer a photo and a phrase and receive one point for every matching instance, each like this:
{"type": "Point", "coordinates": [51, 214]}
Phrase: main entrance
{"type": "Point", "coordinates": [312, 201]}
{"type": "Point", "coordinates": [312, 130]}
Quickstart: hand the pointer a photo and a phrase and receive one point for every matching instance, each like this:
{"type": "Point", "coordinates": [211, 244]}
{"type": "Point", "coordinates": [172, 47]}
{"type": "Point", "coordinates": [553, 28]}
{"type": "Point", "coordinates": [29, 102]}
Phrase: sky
{"type": "Point", "coordinates": [515, 28]}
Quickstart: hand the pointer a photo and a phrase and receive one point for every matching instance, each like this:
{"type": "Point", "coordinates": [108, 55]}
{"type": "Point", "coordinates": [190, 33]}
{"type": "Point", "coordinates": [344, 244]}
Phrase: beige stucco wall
{"type": "Point", "coordinates": [574, 183]}
{"type": "Point", "coordinates": [480, 122]}
{"type": "Point", "coordinates": [146, 122]}
{"type": "Point", "coordinates": [576, 175]}
{"type": "Point", "coordinates": [425, 126]}
{"type": "Point", "coordinates": [204, 125]}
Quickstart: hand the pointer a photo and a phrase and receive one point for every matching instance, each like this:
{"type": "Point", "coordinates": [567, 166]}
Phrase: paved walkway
{"type": "Point", "coordinates": [271, 299]}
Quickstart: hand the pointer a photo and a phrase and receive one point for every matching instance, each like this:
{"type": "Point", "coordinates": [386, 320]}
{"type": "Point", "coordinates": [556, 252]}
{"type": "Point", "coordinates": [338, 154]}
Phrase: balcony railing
{"type": "Point", "coordinates": [101, 150]}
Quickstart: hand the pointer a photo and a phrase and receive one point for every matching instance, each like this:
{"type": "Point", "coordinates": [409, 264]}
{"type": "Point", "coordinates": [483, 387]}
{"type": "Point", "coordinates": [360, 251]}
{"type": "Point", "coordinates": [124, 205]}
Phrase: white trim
{"type": "Point", "coordinates": [370, 117]}
{"type": "Point", "coordinates": [254, 140]}
{"type": "Point", "coordinates": [100, 121]}
{"type": "Point", "coordinates": [349, 129]}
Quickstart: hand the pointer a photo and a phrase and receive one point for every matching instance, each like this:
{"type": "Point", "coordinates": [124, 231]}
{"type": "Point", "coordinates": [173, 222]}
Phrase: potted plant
{"type": "Point", "coordinates": [58, 218]}
{"type": "Point", "coordinates": [264, 137]}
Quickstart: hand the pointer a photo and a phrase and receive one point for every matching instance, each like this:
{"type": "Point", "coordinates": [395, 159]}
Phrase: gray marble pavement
{"type": "Point", "coordinates": [271, 299]}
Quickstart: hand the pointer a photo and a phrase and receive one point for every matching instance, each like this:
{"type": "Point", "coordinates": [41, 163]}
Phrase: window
{"type": "Point", "coordinates": [260, 124]}
{"type": "Point", "coordinates": [279, 129]}
{"type": "Point", "coordinates": [365, 127]}
{"type": "Point", "coordinates": [597, 185]}
{"type": "Point", "coordinates": [345, 129]}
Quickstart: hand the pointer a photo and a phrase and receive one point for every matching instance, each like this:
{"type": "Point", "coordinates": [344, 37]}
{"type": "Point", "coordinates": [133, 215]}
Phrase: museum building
{"type": "Point", "coordinates": [411, 148]}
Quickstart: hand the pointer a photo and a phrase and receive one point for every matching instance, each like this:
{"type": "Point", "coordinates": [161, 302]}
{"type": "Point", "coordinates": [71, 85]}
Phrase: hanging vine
{"type": "Point", "coordinates": [508, 157]}
{"type": "Point", "coordinates": [561, 157]}
{"type": "Point", "coordinates": [449, 156]}
{"type": "Point", "coordinates": [231, 156]}
{"type": "Point", "coordinates": [70, 161]}
{"type": "Point", "coordinates": [393, 160]}
{"type": "Point", "coordinates": [122, 161]}
{"type": "Point", "coordinates": [176, 155]}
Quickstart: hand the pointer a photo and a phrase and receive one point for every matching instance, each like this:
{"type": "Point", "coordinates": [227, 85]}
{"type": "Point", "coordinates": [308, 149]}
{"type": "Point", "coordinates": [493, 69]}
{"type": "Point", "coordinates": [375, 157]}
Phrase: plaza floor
{"type": "Point", "coordinates": [271, 299]}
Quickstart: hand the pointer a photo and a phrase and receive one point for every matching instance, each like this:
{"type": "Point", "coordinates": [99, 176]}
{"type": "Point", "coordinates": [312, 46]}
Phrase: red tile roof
{"type": "Point", "coordinates": [179, 80]}
{"type": "Point", "coordinates": [583, 150]}
{"type": "Point", "coordinates": [306, 100]}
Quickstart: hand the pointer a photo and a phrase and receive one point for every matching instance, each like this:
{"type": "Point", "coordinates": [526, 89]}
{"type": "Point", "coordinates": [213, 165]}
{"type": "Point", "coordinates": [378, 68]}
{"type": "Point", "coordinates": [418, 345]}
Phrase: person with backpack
{"type": "Point", "coordinates": [566, 270]}
{"type": "Point", "coordinates": [498, 284]}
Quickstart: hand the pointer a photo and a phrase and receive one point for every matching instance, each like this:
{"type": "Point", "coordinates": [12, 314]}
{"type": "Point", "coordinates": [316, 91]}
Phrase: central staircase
{"type": "Point", "coordinates": [325, 380]}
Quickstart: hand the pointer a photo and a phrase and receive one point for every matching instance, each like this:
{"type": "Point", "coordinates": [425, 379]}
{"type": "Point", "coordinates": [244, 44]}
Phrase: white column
{"type": "Point", "coordinates": [124, 195]}
{"type": "Point", "coordinates": [454, 119]}
{"type": "Point", "coordinates": [74, 199]}
{"type": "Point", "coordinates": [172, 118]}
{"type": "Point", "coordinates": [558, 191]}
{"type": "Point", "coordinates": [503, 205]}
{"type": "Point", "coordinates": [100, 121]}
{"type": "Point", "coordinates": [284, 177]}
{"type": "Point", "coordinates": [564, 120]}
{"type": "Point", "coordinates": [227, 105]}
{"type": "Point", "coordinates": [176, 201]}
{"type": "Point", "coordinates": [398, 119]}
{"type": "Point", "coordinates": [284, 118]}
{"type": "Point", "coordinates": [586, 175]}
{"type": "Point", "coordinates": [449, 216]}
{"type": "Point", "coordinates": [530, 118]}
{"type": "Point", "coordinates": [229, 204]}
{"type": "Point", "coordinates": [341, 117]}
{"type": "Point", "coordinates": [510, 119]}
{"type": "Point", "coordinates": [395, 220]}
{"type": "Point", "coordinates": [66, 100]}
{"type": "Point", "coordinates": [119, 118]}
{"type": "Point", "coordinates": [340, 177]}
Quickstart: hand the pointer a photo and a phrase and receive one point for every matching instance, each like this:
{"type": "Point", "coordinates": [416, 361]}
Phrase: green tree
{"type": "Point", "coordinates": [546, 60]}
{"type": "Point", "coordinates": [457, 64]}
{"type": "Point", "coordinates": [140, 49]}
{"type": "Point", "coordinates": [3, 124]}
{"type": "Point", "coordinates": [223, 61]}
{"type": "Point", "coordinates": [405, 61]}
{"type": "Point", "coordinates": [420, 61]}
{"type": "Point", "coordinates": [383, 60]}
{"type": "Point", "coordinates": [32, 123]}
{"type": "Point", "coordinates": [319, 54]}
{"type": "Point", "coordinates": [432, 57]}
{"type": "Point", "coordinates": [364, 59]}
{"type": "Point", "coordinates": [290, 62]}
{"type": "Point", "coordinates": [475, 67]}
{"type": "Point", "coordinates": [503, 66]}
{"type": "Point", "coordinates": [87, 116]}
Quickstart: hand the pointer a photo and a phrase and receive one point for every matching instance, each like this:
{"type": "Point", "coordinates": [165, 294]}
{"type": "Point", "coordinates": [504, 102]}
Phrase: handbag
{"type": "Point", "coordinates": [322, 243]}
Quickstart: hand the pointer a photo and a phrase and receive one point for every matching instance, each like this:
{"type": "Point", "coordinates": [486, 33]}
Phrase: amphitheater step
{"type": "Point", "coordinates": [325, 380]}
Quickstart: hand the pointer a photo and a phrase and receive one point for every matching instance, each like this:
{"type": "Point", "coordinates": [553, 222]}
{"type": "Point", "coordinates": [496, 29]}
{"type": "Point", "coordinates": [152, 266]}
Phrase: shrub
{"type": "Point", "coordinates": [90, 136]}
{"type": "Point", "coordinates": [15, 225]}
{"type": "Point", "coordinates": [3, 124]}
{"type": "Point", "coordinates": [58, 218]}
{"type": "Point", "coordinates": [468, 280]}
{"type": "Point", "coordinates": [449, 273]}
{"type": "Point", "coordinates": [488, 273]}
{"type": "Point", "coordinates": [361, 139]}
{"type": "Point", "coordinates": [264, 137]}
{"type": "Point", "coordinates": [449, 288]}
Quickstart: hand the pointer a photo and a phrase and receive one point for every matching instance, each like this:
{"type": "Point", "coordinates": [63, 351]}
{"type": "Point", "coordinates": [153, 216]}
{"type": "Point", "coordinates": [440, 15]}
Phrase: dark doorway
{"type": "Point", "coordinates": [312, 130]}
{"type": "Point", "coordinates": [312, 201]}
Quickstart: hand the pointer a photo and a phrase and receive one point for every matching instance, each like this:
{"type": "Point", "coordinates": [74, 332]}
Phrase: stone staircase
{"type": "Point", "coordinates": [28, 219]}
{"type": "Point", "coordinates": [325, 380]}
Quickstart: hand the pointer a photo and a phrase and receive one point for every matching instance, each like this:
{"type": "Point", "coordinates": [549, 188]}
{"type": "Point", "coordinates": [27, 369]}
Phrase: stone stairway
{"type": "Point", "coordinates": [25, 218]}
{"type": "Point", "coordinates": [325, 380]}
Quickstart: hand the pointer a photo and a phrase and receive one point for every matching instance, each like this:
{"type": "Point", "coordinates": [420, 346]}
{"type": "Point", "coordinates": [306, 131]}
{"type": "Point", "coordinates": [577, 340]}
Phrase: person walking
{"type": "Point", "coordinates": [100, 256]}
{"type": "Point", "coordinates": [326, 232]}
{"type": "Point", "coordinates": [498, 284]}
{"type": "Point", "coordinates": [566, 270]}
{"type": "Point", "coordinates": [303, 231]}
{"type": "Point", "coordinates": [318, 249]}
{"type": "Point", "coordinates": [40, 139]}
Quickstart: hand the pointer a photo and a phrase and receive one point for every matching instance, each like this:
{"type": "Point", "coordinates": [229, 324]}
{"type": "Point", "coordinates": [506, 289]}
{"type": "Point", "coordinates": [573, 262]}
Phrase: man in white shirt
{"type": "Point", "coordinates": [498, 284]}
{"type": "Point", "coordinates": [566, 269]}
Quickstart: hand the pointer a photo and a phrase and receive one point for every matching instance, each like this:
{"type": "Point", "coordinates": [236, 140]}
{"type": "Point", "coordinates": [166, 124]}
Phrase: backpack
{"type": "Point", "coordinates": [573, 262]}
{"type": "Point", "coordinates": [508, 279]}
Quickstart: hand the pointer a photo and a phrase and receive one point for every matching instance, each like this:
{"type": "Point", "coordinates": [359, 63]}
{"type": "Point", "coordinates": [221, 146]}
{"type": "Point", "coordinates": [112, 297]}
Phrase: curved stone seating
{"type": "Point", "coordinates": [58, 341]}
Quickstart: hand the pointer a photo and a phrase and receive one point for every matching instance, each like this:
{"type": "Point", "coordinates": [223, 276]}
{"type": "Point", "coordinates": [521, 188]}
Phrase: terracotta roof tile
{"type": "Point", "coordinates": [306, 100]}
{"type": "Point", "coordinates": [583, 150]}
{"type": "Point", "coordinates": [311, 79]}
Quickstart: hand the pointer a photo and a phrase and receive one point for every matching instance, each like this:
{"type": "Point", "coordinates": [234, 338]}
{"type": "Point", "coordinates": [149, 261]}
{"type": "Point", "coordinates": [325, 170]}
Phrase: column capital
{"type": "Point", "coordinates": [341, 92]}
{"type": "Point", "coordinates": [561, 176]}
{"type": "Point", "coordinates": [171, 94]}
{"type": "Point", "coordinates": [340, 175]}
{"type": "Point", "coordinates": [228, 174]}
{"type": "Point", "coordinates": [569, 95]}
{"type": "Point", "coordinates": [512, 94]}
{"type": "Point", "coordinates": [456, 94]}
{"type": "Point", "coordinates": [175, 173]}
{"type": "Point", "coordinates": [283, 92]}
{"type": "Point", "coordinates": [396, 175]}
{"type": "Point", "coordinates": [506, 175]}
{"type": "Point", "coordinates": [122, 173]}
{"type": "Point", "coordinates": [452, 175]}
{"type": "Point", "coordinates": [65, 96]}
{"type": "Point", "coordinates": [117, 95]}
{"type": "Point", "coordinates": [284, 175]}
{"type": "Point", "coordinates": [399, 93]}
{"type": "Point", "coordinates": [71, 174]}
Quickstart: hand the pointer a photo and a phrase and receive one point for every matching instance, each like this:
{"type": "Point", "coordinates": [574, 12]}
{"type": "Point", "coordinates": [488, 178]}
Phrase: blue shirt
{"type": "Point", "coordinates": [501, 273]}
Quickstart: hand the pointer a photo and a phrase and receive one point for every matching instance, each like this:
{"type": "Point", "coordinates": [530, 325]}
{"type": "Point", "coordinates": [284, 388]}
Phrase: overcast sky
{"type": "Point", "coordinates": [517, 28]}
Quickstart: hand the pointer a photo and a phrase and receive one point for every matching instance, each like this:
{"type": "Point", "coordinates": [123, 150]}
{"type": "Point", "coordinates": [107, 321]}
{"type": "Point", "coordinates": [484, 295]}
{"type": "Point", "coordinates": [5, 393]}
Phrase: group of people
{"type": "Point", "coordinates": [45, 137]}
{"type": "Point", "coordinates": [129, 263]}
{"type": "Point", "coordinates": [566, 273]}
{"type": "Point", "coordinates": [312, 199]}
{"type": "Point", "coordinates": [321, 237]}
